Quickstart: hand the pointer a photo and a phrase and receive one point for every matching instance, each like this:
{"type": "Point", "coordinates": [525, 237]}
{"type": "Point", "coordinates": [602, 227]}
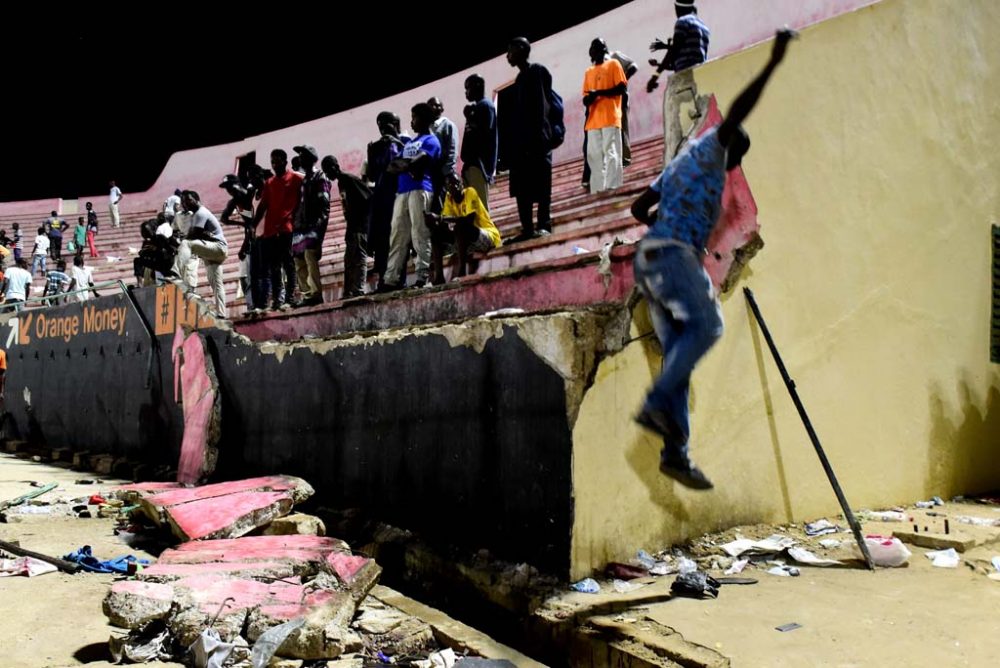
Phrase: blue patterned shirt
{"type": "Point", "coordinates": [690, 190]}
{"type": "Point", "coordinates": [690, 45]}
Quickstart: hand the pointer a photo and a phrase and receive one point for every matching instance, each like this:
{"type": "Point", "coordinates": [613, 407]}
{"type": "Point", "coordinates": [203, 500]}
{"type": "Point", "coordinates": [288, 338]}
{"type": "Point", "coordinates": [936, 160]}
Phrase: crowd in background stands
{"type": "Point", "coordinates": [408, 199]}
{"type": "Point", "coordinates": [16, 277]}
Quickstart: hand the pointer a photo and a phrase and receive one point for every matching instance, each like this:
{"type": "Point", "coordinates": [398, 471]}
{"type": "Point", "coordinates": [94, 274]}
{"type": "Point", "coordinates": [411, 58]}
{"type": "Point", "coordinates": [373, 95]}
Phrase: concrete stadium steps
{"type": "Point", "coordinates": [581, 223]}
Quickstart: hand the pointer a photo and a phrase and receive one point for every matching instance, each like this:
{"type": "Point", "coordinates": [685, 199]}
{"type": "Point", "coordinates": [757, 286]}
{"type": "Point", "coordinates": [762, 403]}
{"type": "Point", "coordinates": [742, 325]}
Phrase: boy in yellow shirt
{"type": "Point", "coordinates": [464, 222]}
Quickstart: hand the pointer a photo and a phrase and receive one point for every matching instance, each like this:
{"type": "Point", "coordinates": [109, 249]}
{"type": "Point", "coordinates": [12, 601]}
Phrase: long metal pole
{"type": "Point", "coordinates": [790, 384]}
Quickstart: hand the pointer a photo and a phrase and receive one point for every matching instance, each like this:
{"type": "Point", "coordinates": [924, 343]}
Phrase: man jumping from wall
{"type": "Point", "coordinates": [669, 272]}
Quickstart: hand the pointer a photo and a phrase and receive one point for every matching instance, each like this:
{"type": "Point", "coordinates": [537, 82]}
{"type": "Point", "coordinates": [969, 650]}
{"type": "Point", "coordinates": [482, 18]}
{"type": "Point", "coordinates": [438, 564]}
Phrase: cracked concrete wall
{"type": "Point", "coordinates": [874, 163]}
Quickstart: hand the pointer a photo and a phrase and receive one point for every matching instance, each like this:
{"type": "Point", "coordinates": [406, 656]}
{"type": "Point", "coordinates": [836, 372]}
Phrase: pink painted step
{"type": "Point", "coordinates": [298, 489]}
{"type": "Point", "coordinates": [228, 516]}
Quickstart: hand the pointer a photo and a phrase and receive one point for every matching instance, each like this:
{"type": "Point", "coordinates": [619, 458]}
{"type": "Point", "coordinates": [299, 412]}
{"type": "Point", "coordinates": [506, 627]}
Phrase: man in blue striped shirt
{"type": "Point", "coordinates": [689, 46]}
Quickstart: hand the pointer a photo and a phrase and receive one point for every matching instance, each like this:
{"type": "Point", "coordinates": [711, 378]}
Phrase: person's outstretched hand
{"type": "Point", "coordinates": [781, 40]}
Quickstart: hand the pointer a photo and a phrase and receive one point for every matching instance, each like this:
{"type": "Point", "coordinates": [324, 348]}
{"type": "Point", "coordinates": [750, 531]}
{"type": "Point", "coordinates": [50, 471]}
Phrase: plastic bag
{"type": "Point", "coordinates": [887, 551]}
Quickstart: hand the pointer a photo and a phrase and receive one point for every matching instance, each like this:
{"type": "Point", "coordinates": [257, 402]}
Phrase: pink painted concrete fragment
{"type": "Point", "coordinates": [737, 227]}
{"type": "Point", "coordinates": [199, 398]}
{"type": "Point", "coordinates": [229, 516]}
{"type": "Point", "coordinates": [298, 489]}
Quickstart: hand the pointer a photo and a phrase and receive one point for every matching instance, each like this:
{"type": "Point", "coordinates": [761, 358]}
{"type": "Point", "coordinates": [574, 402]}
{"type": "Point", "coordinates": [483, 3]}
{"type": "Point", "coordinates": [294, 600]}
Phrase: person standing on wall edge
{"type": "Point", "coordinates": [668, 267]}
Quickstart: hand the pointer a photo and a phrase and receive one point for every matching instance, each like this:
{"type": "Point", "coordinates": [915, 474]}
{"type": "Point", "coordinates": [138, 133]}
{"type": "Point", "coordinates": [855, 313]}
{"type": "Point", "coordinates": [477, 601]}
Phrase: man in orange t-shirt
{"type": "Point", "coordinates": [603, 87]}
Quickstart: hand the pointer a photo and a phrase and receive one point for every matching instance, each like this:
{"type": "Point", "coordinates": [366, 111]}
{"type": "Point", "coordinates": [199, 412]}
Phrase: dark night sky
{"type": "Point", "coordinates": [99, 97]}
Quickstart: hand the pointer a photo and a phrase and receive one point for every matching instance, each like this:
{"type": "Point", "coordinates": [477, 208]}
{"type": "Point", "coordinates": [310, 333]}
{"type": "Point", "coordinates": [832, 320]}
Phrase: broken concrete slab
{"type": "Point", "coordinates": [131, 604]}
{"type": "Point", "coordinates": [156, 504]}
{"type": "Point", "coordinates": [227, 517]}
{"type": "Point", "coordinates": [960, 542]}
{"type": "Point", "coordinates": [199, 397]}
{"type": "Point", "coordinates": [296, 523]}
{"type": "Point", "coordinates": [270, 556]}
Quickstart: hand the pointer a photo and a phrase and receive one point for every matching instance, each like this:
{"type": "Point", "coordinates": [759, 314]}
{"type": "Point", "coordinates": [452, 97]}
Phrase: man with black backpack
{"type": "Point", "coordinates": [530, 125]}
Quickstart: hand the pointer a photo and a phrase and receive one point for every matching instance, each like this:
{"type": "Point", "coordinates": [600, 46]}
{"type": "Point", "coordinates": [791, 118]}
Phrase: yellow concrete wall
{"type": "Point", "coordinates": [875, 164]}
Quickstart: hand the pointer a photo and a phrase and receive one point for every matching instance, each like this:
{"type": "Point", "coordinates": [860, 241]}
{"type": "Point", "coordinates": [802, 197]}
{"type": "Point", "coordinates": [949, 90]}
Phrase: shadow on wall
{"type": "Point", "coordinates": [964, 440]}
{"type": "Point", "coordinates": [767, 387]}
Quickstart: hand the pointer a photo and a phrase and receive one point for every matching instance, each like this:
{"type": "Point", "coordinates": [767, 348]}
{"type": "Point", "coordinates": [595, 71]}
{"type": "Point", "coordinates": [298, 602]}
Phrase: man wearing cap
{"type": "Point", "coordinates": [205, 240]}
{"type": "Point", "coordinates": [277, 206]}
{"type": "Point", "coordinates": [310, 226]}
{"type": "Point", "coordinates": [668, 268]}
{"type": "Point", "coordinates": [527, 137]}
{"type": "Point", "coordinates": [355, 196]}
{"type": "Point", "coordinates": [689, 46]}
{"type": "Point", "coordinates": [604, 83]}
{"type": "Point", "coordinates": [239, 211]}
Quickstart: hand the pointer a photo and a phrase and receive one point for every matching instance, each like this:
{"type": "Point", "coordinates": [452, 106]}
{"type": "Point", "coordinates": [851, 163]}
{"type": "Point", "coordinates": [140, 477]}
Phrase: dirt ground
{"type": "Point", "coordinates": [55, 620]}
{"type": "Point", "coordinates": [918, 615]}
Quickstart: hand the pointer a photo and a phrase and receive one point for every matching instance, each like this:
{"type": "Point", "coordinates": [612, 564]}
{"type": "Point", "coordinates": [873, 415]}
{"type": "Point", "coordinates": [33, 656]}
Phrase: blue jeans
{"type": "Point", "coordinates": [36, 262]}
{"type": "Point", "coordinates": [687, 320]}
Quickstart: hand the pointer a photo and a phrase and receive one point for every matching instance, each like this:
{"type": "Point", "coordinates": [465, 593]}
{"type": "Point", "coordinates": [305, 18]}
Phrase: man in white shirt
{"type": "Point", "coordinates": [114, 197]}
{"type": "Point", "coordinates": [40, 251]}
{"type": "Point", "coordinates": [205, 240]}
{"type": "Point", "coordinates": [172, 205]}
{"type": "Point", "coordinates": [16, 284]}
{"type": "Point", "coordinates": [83, 278]}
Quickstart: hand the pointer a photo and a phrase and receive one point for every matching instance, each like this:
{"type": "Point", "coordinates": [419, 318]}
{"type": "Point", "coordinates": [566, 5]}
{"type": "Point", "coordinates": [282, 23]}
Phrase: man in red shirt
{"type": "Point", "coordinates": [277, 207]}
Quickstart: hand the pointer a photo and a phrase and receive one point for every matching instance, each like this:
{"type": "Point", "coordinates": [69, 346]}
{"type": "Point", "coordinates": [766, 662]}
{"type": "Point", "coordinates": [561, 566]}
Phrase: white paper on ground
{"type": "Point", "coordinates": [830, 543]}
{"type": "Point", "coordinates": [770, 545]}
{"type": "Point", "coordinates": [804, 556]}
{"type": "Point", "coordinates": [944, 558]}
{"type": "Point", "coordinates": [737, 567]}
{"type": "Point", "coordinates": [25, 566]}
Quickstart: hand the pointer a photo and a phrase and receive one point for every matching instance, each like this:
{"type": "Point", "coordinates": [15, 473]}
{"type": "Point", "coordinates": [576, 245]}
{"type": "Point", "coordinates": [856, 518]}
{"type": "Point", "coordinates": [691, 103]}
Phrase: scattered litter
{"type": "Point", "coordinates": [830, 543]}
{"type": "Point", "coordinates": [625, 571]}
{"type": "Point", "coordinates": [96, 500]}
{"type": "Point", "coordinates": [662, 568]}
{"type": "Point", "coordinates": [696, 585]}
{"type": "Point", "coordinates": [925, 504]}
{"type": "Point", "coordinates": [944, 558]}
{"type": "Point", "coordinates": [502, 312]}
{"type": "Point", "coordinates": [269, 642]}
{"type": "Point", "coordinates": [770, 545]}
{"type": "Point", "coordinates": [645, 559]}
{"type": "Point", "coordinates": [88, 562]}
{"type": "Point", "coordinates": [210, 652]}
{"type": "Point", "coordinates": [883, 515]}
{"type": "Point", "coordinates": [784, 628]}
{"type": "Point", "coordinates": [579, 250]}
{"type": "Point", "coordinates": [937, 500]}
{"type": "Point", "coordinates": [886, 551]}
{"type": "Point", "coordinates": [977, 521]}
{"type": "Point", "coordinates": [587, 586]}
{"type": "Point", "coordinates": [30, 495]}
{"type": "Point", "coordinates": [444, 659]}
{"type": "Point", "coordinates": [113, 258]}
{"type": "Point", "coordinates": [623, 587]}
{"type": "Point", "coordinates": [804, 556]}
{"type": "Point", "coordinates": [149, 645]}
{"type": "Point", "coordinates": [685, 566]}
{"type": "Point", "coordinates": [784, 571]}
{"type": "Point", "coordinates": [33, 510]}
{"type": "Point", "coordinates": [821, 528]}
{"type": "Point", "coordinates": [737, 567]}
{"type": "Point", "coordinates": [28, 566]}
{"type": "Point", "coordinates": [996, 563]}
